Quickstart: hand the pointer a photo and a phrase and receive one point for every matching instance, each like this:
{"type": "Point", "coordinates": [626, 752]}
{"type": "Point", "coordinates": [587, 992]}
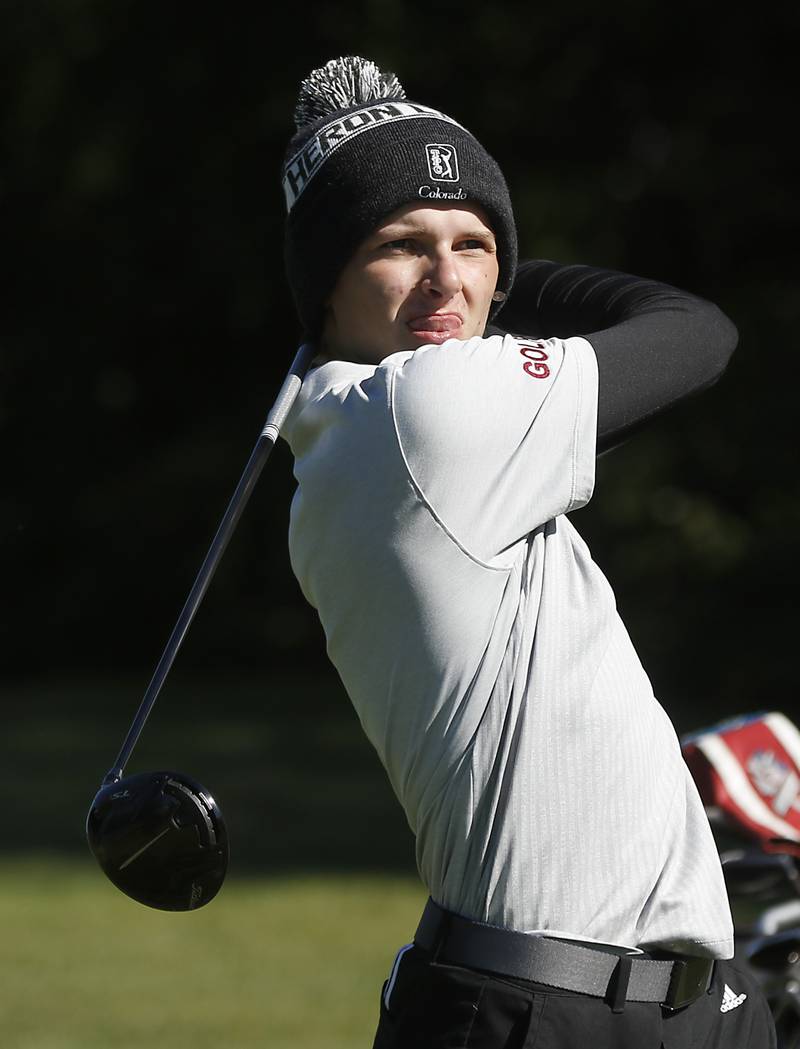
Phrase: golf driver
{"type": "Point", "coordinates": [160, 837]}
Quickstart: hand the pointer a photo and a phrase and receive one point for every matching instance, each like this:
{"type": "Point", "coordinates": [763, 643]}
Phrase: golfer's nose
{"type": "Point", "coordinates": [442, 278]}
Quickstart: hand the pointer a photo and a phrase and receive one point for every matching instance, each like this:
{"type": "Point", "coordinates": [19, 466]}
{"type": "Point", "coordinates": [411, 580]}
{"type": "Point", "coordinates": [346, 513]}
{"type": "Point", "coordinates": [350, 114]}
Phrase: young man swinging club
{"type": "Point", "coordinates": [576, 894]}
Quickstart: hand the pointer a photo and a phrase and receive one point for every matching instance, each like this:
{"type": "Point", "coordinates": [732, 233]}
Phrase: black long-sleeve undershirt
{"type": "Point", "coordinates": [655, 344]}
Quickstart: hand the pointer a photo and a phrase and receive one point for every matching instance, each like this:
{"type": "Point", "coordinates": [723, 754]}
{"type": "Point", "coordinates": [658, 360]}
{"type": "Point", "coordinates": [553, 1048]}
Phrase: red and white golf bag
{"type": "Point", "coordinates": [748, 773]}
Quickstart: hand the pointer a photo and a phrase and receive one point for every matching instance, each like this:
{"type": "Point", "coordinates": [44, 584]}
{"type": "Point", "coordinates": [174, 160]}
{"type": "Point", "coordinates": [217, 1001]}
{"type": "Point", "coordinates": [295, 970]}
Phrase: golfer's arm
{"type": "Point", "coordinates": [655, 344]}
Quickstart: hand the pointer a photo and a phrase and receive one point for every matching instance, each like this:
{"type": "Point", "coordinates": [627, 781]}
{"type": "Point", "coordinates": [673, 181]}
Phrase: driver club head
{"type": "Point", "coordinates": [161, 838]}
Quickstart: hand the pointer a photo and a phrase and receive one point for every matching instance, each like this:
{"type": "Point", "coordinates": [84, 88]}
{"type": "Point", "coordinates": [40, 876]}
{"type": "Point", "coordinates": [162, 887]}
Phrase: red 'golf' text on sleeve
{"type": "Point", "coordinates": [535, 364]}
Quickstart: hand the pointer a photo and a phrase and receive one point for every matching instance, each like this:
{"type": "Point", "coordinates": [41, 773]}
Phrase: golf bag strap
{"type": "Point", "coordinates": [593, 969]}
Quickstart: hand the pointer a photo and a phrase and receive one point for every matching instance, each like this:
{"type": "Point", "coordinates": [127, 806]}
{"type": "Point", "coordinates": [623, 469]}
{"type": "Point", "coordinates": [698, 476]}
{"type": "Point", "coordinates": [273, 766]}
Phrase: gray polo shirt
{"type": "Point", "coordinates": [481, 647]}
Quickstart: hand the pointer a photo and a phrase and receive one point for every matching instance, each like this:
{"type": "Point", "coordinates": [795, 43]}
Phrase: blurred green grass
{"type": "Point", "coordinates": [321, 890]}
{"type": "Point", "coordinates": [279, 962]}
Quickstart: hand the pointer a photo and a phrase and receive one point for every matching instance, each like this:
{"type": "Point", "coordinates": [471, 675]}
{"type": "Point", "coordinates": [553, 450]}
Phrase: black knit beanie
{"type": "Point", "coordinates": [361, 151]}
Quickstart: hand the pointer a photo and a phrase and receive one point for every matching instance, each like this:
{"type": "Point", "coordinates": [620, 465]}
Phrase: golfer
{"type": "Point", "coordinates": [449, 427]}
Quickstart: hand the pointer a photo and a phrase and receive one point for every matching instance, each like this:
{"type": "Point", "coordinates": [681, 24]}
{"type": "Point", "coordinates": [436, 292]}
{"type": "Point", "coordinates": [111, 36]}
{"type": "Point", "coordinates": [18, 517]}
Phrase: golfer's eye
{"type": "Point", "coordinates": [400, 245]}
{"type": "Point", "coordinates": [475, 244]}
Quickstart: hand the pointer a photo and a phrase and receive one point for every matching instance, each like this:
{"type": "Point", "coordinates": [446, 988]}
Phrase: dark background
{"type": "Point", "coordinates": [147, 326]}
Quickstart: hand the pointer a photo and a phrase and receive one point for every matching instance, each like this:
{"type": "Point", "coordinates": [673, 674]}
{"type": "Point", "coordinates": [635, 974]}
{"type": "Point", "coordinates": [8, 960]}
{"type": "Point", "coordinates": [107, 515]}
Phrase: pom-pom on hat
{"type": "Point", "coordinates": [361, 151]}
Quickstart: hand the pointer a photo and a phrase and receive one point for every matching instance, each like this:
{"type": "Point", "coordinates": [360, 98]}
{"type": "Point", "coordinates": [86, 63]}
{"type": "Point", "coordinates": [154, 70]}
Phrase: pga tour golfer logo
{"type": "Point", "coordinates": [442, 162]}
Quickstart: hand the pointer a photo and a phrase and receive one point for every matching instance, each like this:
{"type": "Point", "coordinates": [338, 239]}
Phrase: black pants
{"type": "Point", "coordinates": [430, 1005]}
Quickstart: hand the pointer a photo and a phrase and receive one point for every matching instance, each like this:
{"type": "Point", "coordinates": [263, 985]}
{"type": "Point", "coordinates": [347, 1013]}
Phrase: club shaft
{"type": "Point", "coordinates": [260, 454]}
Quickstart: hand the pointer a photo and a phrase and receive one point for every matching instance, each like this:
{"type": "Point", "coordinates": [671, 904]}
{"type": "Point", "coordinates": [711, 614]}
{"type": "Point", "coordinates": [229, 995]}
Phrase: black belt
{"type": "Point", "coordinates": [586, 969]}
